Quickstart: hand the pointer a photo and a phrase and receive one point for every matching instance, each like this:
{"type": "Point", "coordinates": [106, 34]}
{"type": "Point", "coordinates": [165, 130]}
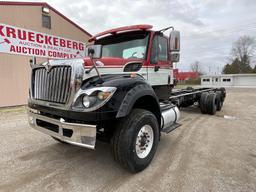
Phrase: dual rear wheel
{"type": "Point", "coordinates": [210, 102]}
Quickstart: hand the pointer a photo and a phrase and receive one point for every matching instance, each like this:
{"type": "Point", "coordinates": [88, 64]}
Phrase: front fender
{"type": "Point", "coordinates": [134, 95]}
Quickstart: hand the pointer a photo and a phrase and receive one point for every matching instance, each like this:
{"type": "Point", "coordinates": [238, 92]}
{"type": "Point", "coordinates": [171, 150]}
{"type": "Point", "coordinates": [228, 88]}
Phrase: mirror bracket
{"type": "Point", "coordinates": [175, 56]}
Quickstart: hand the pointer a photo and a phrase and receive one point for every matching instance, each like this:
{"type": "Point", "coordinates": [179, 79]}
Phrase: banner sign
{"type": "Point", "coordinates": [15, 40]}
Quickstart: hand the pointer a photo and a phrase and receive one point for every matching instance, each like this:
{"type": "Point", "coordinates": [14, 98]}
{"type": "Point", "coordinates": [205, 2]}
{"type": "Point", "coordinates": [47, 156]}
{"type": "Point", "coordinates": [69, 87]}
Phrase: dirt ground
{"type": "Point", "coordinates": [207, 153]}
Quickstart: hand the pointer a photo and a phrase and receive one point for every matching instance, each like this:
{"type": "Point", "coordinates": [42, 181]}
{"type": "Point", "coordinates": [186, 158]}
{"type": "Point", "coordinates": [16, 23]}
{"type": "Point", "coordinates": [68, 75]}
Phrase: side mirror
{"type": "Point", "coordinates": [174, 41]}
{"type": "Point", "coordinates": [94, 51]}
{"type": "Point", "coordinates": [175, 56]}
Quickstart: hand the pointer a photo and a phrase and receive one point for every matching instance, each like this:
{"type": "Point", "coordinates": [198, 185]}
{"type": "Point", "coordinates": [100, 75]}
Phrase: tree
{"type": "Point", "coordinates": [196, 67]}
{"type": "Point", "coordinates": [241, 54]}
{"type": "Point", "coordinates": [244, 46]}
{"type": "Point", "coordinates": [254, 69]}
{"type": "Point", "coordinates": [243, 50]}
{"type": "Point", "coordinates": [232, 68]}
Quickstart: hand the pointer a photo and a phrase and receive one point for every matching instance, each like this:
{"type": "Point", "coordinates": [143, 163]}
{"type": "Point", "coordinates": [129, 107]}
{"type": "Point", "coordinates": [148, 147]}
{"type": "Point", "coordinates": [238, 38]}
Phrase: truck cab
{"type": "Point", "coordinates": [141, 50]}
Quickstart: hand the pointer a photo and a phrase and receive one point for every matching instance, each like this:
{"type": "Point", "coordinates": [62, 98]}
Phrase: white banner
{"type": "Point", "coordinates": [15, 40]}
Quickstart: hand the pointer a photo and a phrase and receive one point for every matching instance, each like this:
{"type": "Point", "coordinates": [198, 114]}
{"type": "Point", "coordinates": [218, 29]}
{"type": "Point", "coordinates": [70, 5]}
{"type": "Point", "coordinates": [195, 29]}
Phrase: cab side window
{"type": "Point", "coordinates": [162, 50]}
{"type": "Point", "coordinates": [159, 50]}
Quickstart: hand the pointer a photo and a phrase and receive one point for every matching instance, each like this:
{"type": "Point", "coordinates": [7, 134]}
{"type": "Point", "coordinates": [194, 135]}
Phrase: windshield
{"type": "Point", "coordinates": [131, 45]}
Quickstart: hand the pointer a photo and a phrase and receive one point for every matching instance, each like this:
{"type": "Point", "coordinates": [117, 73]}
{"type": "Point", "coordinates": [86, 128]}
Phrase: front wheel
{"type": "Point", "coordinates": [135, 140]}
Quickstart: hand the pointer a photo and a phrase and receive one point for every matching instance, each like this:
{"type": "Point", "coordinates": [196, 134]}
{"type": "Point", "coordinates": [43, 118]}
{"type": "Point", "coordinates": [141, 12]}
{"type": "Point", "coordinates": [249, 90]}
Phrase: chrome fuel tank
{"type": "Point", "coordinates": [170, 115]}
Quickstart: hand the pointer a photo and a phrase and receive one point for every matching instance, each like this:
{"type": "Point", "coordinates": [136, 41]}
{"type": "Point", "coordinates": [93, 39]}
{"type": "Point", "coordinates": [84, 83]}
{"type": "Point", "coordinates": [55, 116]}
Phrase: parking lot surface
{"type": "Point", "coordinates": [207, 153]}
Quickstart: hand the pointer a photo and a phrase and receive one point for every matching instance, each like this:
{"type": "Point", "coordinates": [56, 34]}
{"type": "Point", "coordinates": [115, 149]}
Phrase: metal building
{"type": "Point", "coordinates": [32, 29]}
{"type": "Point", "coordinates": [229, 80]}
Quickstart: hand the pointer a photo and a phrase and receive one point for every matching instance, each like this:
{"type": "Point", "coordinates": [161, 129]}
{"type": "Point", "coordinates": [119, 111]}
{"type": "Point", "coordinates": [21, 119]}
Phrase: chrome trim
{"type": "Point", "coordinates": [76, 78]}
{"type": "Point", "coordinates": [84, 135]}
{"type": "Point", "coordinates": [55, 87]}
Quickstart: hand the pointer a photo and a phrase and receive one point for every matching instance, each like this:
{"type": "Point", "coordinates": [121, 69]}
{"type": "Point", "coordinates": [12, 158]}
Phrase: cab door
{"type": "Point", "coordinates": [159, 68]}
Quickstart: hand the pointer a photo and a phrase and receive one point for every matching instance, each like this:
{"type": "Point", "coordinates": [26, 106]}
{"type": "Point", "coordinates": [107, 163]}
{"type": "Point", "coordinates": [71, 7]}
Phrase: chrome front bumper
{"type": "Point", "coordinates": [77, 134]}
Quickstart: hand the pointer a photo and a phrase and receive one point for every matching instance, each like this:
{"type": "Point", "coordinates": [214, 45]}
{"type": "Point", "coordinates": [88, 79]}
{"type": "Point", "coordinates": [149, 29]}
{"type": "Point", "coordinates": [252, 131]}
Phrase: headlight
{"type": "Point", "coordinates": [86, 101]}
{"type": "Point", "coordinates": [94, 98]}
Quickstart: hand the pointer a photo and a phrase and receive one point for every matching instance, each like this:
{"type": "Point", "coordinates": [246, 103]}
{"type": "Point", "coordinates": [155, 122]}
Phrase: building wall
{"type": "Point", "coordinates": [226, 80]}
{"type": "Point", "coordinates": [245, 81]}
{"type": "Point", "coordinates": [15, 69]}
{"type": "Point", "coordinates": [206, 81]}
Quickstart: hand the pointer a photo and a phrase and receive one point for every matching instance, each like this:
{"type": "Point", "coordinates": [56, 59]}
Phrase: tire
{"type": "Point", "coordinates": [211, 104]}
{"type": "Point", "coordinates": [202, 102]}
{"type": "Point", "coordinates": [60, 141]}
{"type": "Point", "coordinates": [219, 100]}
{"type": "Point", "coordinates": [224, 93]}
{"type": "Point", "coordinates": [125, 145]}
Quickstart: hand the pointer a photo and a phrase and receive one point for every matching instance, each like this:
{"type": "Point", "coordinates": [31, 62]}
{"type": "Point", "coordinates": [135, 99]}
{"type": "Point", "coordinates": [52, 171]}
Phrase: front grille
{"type": "Point", "coordinates": [53, 86]}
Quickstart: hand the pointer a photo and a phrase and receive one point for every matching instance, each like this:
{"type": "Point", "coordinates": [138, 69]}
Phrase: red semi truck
{"type": "Point", "coordinates": [120, 93]}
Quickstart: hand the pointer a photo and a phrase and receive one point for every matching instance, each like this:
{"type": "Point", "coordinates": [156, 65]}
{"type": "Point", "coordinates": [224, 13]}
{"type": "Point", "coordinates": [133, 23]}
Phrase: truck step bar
{"type": "Point", "coordinates": [171, 128]}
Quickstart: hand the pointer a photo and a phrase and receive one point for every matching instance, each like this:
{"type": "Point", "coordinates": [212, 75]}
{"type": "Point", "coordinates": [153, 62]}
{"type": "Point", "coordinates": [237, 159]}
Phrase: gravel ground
{"type": "Point", "coordinates": [207, 153]}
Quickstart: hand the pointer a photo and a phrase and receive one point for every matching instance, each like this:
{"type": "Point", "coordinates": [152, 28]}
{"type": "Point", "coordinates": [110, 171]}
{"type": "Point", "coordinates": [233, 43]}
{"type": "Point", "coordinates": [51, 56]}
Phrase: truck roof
{"type": "Point", "coordinates": [121, 29]}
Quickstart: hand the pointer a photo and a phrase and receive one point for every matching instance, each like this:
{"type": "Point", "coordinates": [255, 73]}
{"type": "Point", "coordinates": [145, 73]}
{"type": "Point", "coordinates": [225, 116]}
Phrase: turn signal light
{"type": "Point", "coordinates": [103, 95]}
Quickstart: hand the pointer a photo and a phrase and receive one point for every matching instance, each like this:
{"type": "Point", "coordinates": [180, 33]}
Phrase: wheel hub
{"type": "Point", "coordinates": [144, 141]}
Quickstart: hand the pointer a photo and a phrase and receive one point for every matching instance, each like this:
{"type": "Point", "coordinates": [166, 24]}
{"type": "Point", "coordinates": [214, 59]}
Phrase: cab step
{"type": "Point", "coordinates": [171, 128]}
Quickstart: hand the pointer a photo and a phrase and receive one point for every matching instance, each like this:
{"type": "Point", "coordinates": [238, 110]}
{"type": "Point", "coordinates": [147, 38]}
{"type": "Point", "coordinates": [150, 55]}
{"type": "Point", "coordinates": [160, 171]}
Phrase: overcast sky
{"type": "Point", "coordinates": [208, 27]}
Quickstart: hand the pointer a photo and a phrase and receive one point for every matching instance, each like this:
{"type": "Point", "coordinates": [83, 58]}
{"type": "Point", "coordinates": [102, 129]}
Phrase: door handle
{"type": "Point", "coordinates": [156, 68]}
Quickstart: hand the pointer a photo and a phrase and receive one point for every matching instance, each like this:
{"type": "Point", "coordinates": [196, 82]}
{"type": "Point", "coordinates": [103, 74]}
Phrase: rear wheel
{"type": "Point", "coordinates": [219, 100]}
{"type": "Point", "coordinates": [211, 103]}
{"type": "Point", "coordinates": [224, 93]}
{"type": "Point", "coordinates": [203, 102]}
{"type": "Point", "coordinates": [135, 140]}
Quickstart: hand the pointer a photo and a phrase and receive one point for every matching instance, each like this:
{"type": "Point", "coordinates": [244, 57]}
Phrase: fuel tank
{"type": "Point", "coordinates": [170, 115]}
